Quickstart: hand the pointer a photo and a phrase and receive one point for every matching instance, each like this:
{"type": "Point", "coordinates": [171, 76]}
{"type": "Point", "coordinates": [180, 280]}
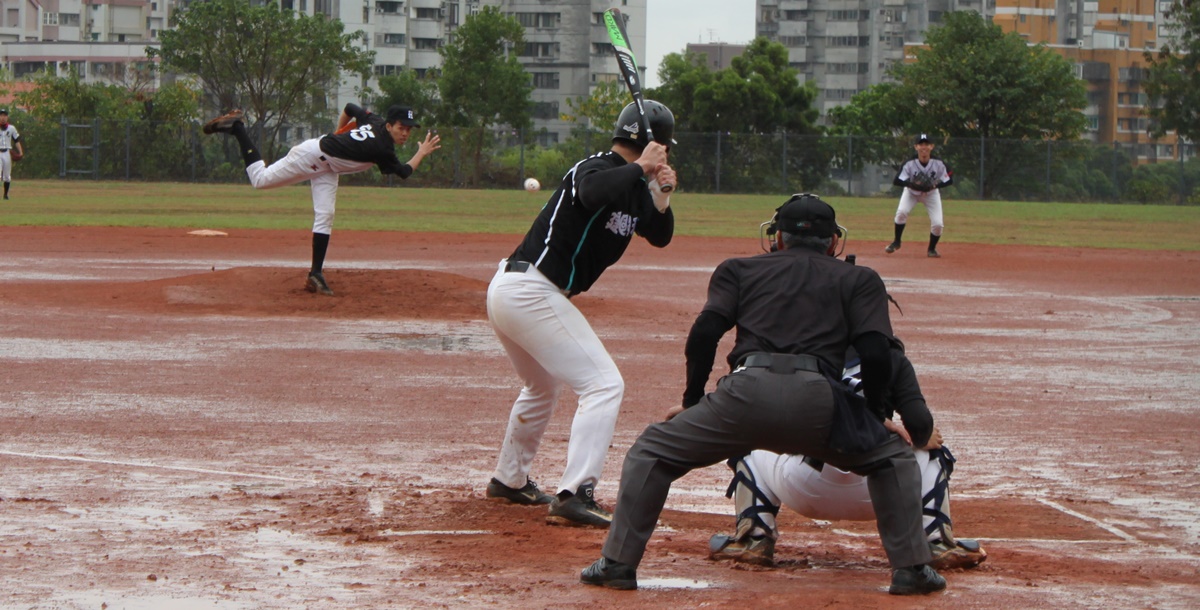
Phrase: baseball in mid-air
{"type": "Point", "coordinates": [532, 185]}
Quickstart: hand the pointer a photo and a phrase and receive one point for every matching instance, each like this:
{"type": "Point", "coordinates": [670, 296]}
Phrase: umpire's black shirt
{"type": "Point", "coordinates": [794, 301]}
{"type": "Point", "coordinates": [600, 205]}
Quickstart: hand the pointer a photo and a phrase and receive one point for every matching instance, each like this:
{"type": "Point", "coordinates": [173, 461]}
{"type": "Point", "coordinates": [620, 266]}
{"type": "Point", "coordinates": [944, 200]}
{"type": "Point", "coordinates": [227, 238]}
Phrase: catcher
{"type": "Point", "coordinates": [11, 150]}
{"type": "Point", "coordinates": [763, 480]}
{"type": "Point", "coordinates": [921, 178]}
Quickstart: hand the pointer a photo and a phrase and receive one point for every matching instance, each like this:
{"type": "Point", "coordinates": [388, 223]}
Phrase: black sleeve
{"type": "Point", "coordinates": [701, 351]}
{"type": "Point", "coordinates": [657, 227]}
{"type": "Point", "coordinates": [948, 182]}
{"type": "Point", "coordinates": [898, 182]}
{"type": "Point", "coordinates": [906, 398]}
{"type": "Point", "coordinates": [598, 189]}
{"type": "Point", "coordinates": [874, 351]}
{"type": "Point", "coordinates": [355, 112]}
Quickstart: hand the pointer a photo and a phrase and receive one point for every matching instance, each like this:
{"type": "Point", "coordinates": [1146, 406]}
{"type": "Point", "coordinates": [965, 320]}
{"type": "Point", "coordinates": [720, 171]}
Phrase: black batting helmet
{"type": "Point", "coordinates": [630, 129]}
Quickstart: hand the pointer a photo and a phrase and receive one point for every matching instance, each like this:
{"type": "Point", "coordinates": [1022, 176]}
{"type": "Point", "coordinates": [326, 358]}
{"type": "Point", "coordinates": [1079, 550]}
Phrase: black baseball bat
{"type": "Point", "coordinates": [629, 71]}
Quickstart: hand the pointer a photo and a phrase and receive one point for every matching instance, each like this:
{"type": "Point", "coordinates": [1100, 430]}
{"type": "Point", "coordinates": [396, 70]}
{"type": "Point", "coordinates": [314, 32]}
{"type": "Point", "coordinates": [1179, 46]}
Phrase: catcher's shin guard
{"type": "Point", "coordinates": [936, 502]}
{"type": "Point", "coordinates": [756, 510]}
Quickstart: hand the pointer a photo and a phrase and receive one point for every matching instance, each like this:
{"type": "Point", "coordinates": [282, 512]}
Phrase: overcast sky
{"type": "Point", "coordinates": [672, 24]}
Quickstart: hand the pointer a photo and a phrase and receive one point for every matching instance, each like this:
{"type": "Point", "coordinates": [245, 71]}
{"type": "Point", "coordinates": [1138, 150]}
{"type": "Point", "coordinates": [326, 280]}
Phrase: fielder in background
{"type": "Point", "coordinates": [921, 178]}
{"type": "Point", "coordinates": [762, 481]}
{"type": "Point", "coordinates": [9, 139]}
{"type": "Point", "coordinates": [585, 227]}
{"type": "Point", "coordinates": [371, 142]}
{"type": "Point", "coordinates": [797, 310]}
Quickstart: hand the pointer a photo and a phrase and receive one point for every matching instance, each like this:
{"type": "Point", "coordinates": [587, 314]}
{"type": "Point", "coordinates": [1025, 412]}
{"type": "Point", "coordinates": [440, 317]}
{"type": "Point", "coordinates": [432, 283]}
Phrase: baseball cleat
{"type": "Point", "coordinates": [892, 247]}
{"type": "Point", "coordinates": [223, 123]}
{"type": "Point", "coordinates": [757, 550]}
{"type": "Point", "coordinates": [916, 581]}
{"type": "Point", "coordinates": [578, 509]}
{"type": "Point", "coordinates": [611, 574]}
{"type": "Point", "coordinates": [316, 283]}
{"type": "Point", "coordinates": [934, 254]}
{"type": "Point", "coordinates": [528, 495]}
{"type": "Point", "coordinates": [961, 554]}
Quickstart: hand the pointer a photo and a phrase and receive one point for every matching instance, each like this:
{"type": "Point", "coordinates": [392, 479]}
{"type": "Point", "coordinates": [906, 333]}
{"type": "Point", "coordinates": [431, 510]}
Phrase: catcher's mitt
{"type": "Point", "coordinates": [16, 155]}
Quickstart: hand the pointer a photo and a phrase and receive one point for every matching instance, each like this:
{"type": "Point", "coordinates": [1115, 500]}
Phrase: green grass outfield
{"type": "Point", "coordinates": [228, 206]}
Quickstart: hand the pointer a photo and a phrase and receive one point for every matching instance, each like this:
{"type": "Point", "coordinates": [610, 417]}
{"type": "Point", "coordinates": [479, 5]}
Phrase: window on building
{"type": "Point", "coordinates": [426, 13]}
{"type": "Point", "coordinates": [602, 49]}
{"type": "Point", "coordinates": [597, 18]}
{"type": "Point", "coordinates": [390, 40]}
{"type": "Point", "coordinates": [538, 20]}
{"type": "Point", "coordinates": [545, 110]}
{"type": "Point", "coordinates": [1093, 122]}
{"type": "Point", "coordinates": [545, 80]}
{"type": "Point", "coordinates": [425, 44]}
{"type": "Point", "coordinates": [387, 69]}
{"type": "Point", "coordinates": [605, 77]}
{"type": "Point", "coordinates": [793, 15]}
{"type": "Point", "coordinates": [853, 15]}
{"type": "Point", "coordinates": [546, 139]}
{"type": "Point", "coordinates": [541, 50]}
{"type": "Point", "coordinates": [793, 41]}
{"type": "Point", "coordinates": [389, 7]}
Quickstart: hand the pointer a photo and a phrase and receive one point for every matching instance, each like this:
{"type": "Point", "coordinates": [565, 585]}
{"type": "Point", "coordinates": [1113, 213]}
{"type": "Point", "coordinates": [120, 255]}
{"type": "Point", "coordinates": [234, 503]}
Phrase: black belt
{"type": "Point", "coordinates": [518, 266]}
{"type": "Point", "coordinates": [816, 464]}
{"type": "Point", "coordinates": [3, 150]}
{"type": "Point", "coordinates": [784, 364]}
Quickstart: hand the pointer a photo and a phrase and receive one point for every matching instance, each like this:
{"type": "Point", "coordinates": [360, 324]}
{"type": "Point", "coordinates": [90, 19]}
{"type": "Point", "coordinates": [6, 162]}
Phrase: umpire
{"type": "Point", "coordinates": [797, 310]}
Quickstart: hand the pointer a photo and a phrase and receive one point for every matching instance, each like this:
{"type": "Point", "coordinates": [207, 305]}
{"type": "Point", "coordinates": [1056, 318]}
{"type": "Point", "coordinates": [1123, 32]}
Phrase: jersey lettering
{"type": "Point", "coordinates": [621, 224]}
{"type": "Point", "coordinates": [361, 134]}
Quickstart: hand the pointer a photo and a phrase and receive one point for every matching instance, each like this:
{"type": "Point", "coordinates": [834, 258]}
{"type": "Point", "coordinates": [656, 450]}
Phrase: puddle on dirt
{"type": "Point", "coordinates": [672, 583]}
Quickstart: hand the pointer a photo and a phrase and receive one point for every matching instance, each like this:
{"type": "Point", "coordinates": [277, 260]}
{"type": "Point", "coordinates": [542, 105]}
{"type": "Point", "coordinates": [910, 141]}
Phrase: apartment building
{"type": "Point", "coordinates": [1106, 41]}
{"type": "Point", "coordinates": [846, 46]}
{"type": "Point", "coordinates": [566, 49]}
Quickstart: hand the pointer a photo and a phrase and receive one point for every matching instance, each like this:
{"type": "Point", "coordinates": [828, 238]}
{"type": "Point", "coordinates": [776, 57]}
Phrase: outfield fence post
{"type": "Point", "coordinates": [849, 165]}
{"type": "Point", "coordinates": [982, 156]}
{"type": "Point", "coordinates": [62, 150]}
{"type": "Point", "coordinates": [718, 172]}
{"type": "Point", "coordinates": [128, 131]}
{"type": "Point", "coordinates": [1047, 169]}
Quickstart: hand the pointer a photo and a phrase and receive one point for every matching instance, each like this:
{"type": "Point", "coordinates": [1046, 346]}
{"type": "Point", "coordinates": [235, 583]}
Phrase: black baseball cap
{"type": "Point", "coordinates": [921, 139]}
{"type": "Point", "coordinates": [3, 110]}
{"type": "Point", "coordinates": [404, 114]}
{"type": "Point", "coordinates": [806, 214]}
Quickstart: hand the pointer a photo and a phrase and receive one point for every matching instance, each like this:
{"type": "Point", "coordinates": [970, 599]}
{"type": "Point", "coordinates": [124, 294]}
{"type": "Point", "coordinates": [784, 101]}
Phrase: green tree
{"type": "Point", "coordinates": [1174, 81]}
{"type": "Point", "coordinates": [973, 81]}
{"type": "Point", "coordinates": [597, 111]}
{"type": "Point", "coordinates": [277, 64]}
{"type": "Point", "coordinates": [757, 106]}
{"type": "Point", "coordinates": [482, 84]}
{"type": "Point", "coordinates": [155, 124]}
{"type": "Point", "coordinates": [417, 92]}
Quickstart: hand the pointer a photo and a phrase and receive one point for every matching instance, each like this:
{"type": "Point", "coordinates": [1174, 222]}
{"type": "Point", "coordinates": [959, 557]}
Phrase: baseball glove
{"type": "Point", "coordinates": [16, 155]}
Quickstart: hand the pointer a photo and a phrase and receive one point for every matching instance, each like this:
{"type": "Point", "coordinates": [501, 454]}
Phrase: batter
{"type": "Point", "coordinates": [601, 203]}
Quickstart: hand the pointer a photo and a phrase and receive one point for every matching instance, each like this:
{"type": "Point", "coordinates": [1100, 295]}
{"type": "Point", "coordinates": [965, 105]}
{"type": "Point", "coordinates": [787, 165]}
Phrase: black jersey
{"type": "Point", "coordinates": [798, 301]}
{"type": "Point", "coordinates": [369, 142]}
{"type": "Point", "coordinates": [572, 242]}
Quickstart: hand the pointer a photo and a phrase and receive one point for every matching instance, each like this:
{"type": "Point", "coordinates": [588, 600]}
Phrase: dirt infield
{"type": "Point", "coordinates": [182, 426]}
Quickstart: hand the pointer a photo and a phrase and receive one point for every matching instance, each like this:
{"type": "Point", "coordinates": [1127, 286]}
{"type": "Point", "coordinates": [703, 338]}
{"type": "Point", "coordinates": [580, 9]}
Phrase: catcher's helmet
{"type": "Point", "coordinates": [630, 129]}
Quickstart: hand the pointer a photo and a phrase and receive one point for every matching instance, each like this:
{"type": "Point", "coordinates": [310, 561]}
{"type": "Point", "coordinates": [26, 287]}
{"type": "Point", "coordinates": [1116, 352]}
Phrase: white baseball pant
{"type": "Point", "coordinates": [933, 205]}
{"type": "Point", "coordinates": [6, 164]}
{"type": "Point", "coordinates": [829, 494]}
{"type": "Point", "coordinates": [305, 161]}
{"type": "Point", "coordinates": [550, 343]}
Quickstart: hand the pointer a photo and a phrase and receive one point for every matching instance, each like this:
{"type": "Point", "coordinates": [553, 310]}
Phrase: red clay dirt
{"type": "Point", "coordinates": [182, 426]}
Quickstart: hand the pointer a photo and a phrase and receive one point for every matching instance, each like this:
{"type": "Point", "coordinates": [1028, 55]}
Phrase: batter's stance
{"type": "Point", "coordinates": [321, 160]}
{"type": "Point", "coordinates": [921, 178]}
{"type": "Point", "coordinates": [583, 229]}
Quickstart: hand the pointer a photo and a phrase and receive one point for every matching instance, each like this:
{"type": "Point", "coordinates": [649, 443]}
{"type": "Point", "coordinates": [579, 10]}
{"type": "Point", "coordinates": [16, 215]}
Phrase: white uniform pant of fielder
{"type": "Point", "coordinates": [6, 166]}
{"type": "Point", "coordinates": [305, 161]}
{"type": "Point", "coordinates": [550, 343]}
{"type": "Point", "coordinates": [830, 494]}
{"type": "Point", "coordinates": [933, 205]}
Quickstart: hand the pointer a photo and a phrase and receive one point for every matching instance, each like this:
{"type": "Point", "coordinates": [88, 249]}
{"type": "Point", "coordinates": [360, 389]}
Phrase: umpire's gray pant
{"type": "Point", "coordinates": [757, 409]}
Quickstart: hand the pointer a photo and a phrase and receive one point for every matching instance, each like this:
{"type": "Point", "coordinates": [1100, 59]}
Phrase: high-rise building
{"type": "Point", "coordinates": [846, 46]}
{"type": "Point", "coordinates": [566, 52]}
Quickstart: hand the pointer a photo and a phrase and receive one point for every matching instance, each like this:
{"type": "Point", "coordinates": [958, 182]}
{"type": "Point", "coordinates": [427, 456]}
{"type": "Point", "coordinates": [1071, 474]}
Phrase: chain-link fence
{"type": "Point", "coordinates": [706, 162]}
